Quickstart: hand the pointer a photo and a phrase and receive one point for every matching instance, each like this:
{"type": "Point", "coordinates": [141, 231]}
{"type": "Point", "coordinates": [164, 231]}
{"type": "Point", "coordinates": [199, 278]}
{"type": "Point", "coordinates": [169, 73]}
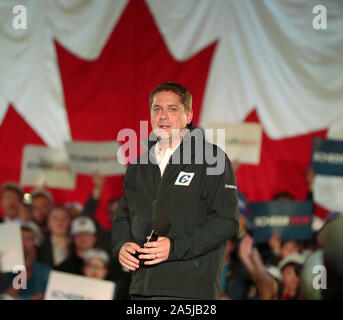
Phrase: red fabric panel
{"type": "Point", "coordinates": [282, 168]}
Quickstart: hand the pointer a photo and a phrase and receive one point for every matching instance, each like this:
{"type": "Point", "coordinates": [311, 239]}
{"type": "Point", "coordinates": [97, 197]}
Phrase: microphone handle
{"type": "Point", "coordinates": [152, 237]}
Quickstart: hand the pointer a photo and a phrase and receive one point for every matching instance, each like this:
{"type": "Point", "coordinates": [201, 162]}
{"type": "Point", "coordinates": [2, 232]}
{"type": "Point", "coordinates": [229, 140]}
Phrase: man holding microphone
{"type": "Point", "coordinates": [189, 201]}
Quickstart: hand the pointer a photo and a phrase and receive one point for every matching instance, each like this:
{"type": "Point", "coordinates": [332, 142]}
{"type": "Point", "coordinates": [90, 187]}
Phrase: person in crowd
{"type": "Point", "coordinates": [74, 209]}
{"type": "Point", "coordinates": [275, 250]}
{"type": "Point", "coordinates": [236, 281]}
{"type": "Point", "coordinates": [104, 236]}
{"type": "Point", "coordinates": [266, 279]}
{"type": "Point", "coordinates": [42, 203]}
{"type": "Point", "coordinates": [11, 201]}
{"type": "Point", "coordinates": [84, 238]}
{"type": "Point", "coordinates": [56, 247]}
{"type": "Point", "coordinates": [282, 249]}
{"type": "Point", "coordinates": [290, 268]}
{"type": "Point", "coordinates": [36, 274]}
{"type": "Point", "coordinates": [25, 212]}
{"type": "Point", "coordinates": [90, 208]}
{"type": "Point", "coordinates": [96, 264]}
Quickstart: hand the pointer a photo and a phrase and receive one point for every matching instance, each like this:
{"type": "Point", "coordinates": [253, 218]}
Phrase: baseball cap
{"type": "Point", "coordinates": [74, 205]}
{"type": "Point", "coordinates": [83, 224]}
{"type": "Point", "coordinates": [96, 253]}
{"type": "Point", "coordinates": [274, 272]}
{"type": "Point", "coordinates": [295, 258]}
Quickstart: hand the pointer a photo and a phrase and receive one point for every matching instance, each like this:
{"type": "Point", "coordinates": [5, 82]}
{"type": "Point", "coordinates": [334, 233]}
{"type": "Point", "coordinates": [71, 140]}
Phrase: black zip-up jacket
{"type": "Point", "coordinates": [202, 211]}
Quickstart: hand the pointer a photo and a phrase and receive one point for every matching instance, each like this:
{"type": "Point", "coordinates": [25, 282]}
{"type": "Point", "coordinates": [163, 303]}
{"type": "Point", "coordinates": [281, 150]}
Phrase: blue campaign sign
{"type": "Point", "coordinates": [327, 157]}
{"type": "Point", "coordinates": [291, 219]}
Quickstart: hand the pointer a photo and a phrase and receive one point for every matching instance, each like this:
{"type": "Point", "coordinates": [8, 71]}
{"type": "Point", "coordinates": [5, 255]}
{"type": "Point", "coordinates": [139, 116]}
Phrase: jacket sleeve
{"type": "Point", "coordinates": [121, 226]}
{"type": "Point", "coordinates": [220, 223]}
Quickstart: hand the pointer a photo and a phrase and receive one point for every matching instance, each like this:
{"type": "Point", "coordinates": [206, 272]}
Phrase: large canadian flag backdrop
{"type": "Point", "coordinates": [82, 71]}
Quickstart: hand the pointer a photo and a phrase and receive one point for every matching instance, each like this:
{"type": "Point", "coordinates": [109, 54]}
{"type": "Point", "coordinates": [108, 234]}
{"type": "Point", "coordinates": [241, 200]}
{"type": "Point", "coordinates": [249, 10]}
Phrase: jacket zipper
{"type": "Point", "coordinates": [154, 213]}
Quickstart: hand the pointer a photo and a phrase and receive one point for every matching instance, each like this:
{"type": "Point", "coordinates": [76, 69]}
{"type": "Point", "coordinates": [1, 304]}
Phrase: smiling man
{"type": "Point", "coordinates": [192, 211]}
{"type": "Point", "coordinates": [170, 114]}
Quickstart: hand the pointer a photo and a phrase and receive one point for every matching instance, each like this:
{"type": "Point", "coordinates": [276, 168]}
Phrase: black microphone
{"type": "Point", "coordinates": [161, 228]}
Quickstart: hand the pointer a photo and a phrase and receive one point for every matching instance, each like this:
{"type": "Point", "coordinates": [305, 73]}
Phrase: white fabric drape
{"type": "Point", "coordinates": [29, 77]}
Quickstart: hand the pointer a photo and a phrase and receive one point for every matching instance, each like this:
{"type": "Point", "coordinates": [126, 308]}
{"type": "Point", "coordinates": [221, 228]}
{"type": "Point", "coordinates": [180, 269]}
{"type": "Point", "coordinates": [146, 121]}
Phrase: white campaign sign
{"type": "Point", "coordinates": [67, 286]}
{"type": "Point", "coordinates": [242, 140]}
{"type": "Point", "coordinates": [11, 246]}
{"type": "Point", "coordinates": [46, 166]}
{"type": "Point", "coordinates": [88, 157]}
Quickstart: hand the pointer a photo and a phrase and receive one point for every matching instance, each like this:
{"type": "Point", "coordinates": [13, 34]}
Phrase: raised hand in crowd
{"type": "Point", "coordinates": [275, 243]}
{"type": "Point", "coordinates": [98, 182]}
{"type": "Point", "coordinates": [253, 262]}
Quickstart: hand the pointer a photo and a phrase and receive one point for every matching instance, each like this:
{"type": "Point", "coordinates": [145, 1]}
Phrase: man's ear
{"type": "Point", "coordinates": [189, 116]}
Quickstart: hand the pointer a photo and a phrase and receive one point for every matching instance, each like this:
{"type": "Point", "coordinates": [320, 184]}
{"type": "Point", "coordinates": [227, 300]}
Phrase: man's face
{"type": "Point", "coordinates": [168, 113]}
{"type": "Point", "coordinates": [95, 268]}
{"type": "Point", "coordinates": [59, 221]}
{"type": "Point", "coordinates": [41, 207]}
{"type": "Point", "coordinates": [10, 204]}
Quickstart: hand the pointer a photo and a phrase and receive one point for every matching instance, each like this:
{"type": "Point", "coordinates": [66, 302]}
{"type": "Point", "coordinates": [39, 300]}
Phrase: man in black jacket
{"type": "Point", "coordinates": [191, 184]}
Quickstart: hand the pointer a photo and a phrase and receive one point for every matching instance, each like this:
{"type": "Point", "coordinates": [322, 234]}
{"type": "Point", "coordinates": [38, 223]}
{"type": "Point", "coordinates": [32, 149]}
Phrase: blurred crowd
{"type": "Point", "coordinates": [285, 270]}
{"type": "Point", "coordinates": [67, 238]}
{"type": "Point", "coordinates": [64, 238]}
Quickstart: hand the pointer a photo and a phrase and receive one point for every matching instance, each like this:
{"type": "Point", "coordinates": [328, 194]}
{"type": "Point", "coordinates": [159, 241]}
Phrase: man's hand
{"type": "Point", "coordinates": [156, 251]}
{"type": "Point", "coordinates": [126, 258]}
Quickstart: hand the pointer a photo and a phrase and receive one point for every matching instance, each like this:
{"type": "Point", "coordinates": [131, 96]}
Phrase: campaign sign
{"type": "Point", "coordinates": [241, 141]}
{"type": "Point", "coordinates": [11, 246]}
{"type": "Point", "coordinates": [290, 219]}
{"type": "Point", "coordinates": [89, 157]}
{"type": "Point", "coordinates": [49, 167]}
{"type": "Point", "coordinates": [327, 157]}
{"type": "Point", "coordinates": [67, 286]}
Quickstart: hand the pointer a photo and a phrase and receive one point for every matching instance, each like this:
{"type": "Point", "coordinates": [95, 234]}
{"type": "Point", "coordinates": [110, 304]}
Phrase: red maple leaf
{"type": "Point", "coordinates": [112, 92]}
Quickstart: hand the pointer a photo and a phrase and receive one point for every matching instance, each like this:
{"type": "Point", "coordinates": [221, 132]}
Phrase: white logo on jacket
{"type": "Point", "coordinates": [184, 178]}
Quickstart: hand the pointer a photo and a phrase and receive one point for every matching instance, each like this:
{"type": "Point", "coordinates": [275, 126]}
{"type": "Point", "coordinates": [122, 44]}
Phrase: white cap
{"type": "Point", "coordinates": [295, 258]}
{"type": "Point", "coordinates": [96, 253]}
{"type": "Point", "coordinates": [274, 272]}
{"type": "Point", "coordinates": [74, 205]}
{"type": "Point", "coordinates": [83, 224]}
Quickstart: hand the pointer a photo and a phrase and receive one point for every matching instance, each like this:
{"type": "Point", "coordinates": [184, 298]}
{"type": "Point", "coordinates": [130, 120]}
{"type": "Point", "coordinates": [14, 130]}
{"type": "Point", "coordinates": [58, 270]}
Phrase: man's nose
{"type": "Point", "coordinates": [164, 114]}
